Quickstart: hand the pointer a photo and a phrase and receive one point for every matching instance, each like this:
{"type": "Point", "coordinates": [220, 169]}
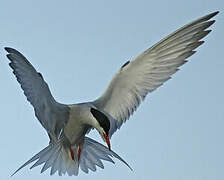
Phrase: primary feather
{"type": "Point", "coordinates": [51, 114]}
{"type": "Point", "coordinates": [67, 125]}
{"type": "Point", "coordinates": [151, 69]}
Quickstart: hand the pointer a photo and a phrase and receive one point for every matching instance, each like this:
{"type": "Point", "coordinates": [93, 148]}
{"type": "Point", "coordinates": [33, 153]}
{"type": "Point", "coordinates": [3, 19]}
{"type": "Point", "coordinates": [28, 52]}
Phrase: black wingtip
{"type": "Point", "coordinates": [212, 22]}
{"type": "Point", "coordinates": [216, 12]}
{"type": "Point", "coordinates": [213, 14]}
{"type": "Point", "coordinates": [209, 16]}
{"type": "Point", "coordinates": [12, 50]}
{"type": "Point", "coordinates": [9, 56]}
{"type": "Point", "coordinates": [15, 52]}
{"type": "Point", "coordinates": [7, 49]}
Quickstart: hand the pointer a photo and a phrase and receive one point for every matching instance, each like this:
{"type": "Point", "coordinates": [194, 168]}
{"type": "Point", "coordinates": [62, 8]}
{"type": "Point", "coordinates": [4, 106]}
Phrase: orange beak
{"type": "Point", "coordinates": [107, 139]}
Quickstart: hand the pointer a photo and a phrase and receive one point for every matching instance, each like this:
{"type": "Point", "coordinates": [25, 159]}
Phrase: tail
{"type": "Point", "coordinates": [58, 158]}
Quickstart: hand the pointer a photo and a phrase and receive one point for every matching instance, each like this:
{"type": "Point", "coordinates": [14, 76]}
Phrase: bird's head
{"type": "Point", "coordinates": [102, 125]}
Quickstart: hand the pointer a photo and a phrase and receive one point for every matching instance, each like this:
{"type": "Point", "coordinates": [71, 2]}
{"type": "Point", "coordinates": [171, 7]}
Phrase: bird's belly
{"type": "Point", "coordinates": [78, 123]}
{"type": "Point", "coordinates": [75, 132]}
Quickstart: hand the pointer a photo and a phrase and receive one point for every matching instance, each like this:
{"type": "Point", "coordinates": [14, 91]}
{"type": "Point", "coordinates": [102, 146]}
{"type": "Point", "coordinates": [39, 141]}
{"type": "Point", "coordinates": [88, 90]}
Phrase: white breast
{"type": "Point", "coordinates": [79, 121]}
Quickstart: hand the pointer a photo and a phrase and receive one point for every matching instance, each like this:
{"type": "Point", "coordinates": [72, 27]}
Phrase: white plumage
{"type": "Point", "coordinates": [151, 69]}
{"type": "Point", "coordinates": [69, 149]}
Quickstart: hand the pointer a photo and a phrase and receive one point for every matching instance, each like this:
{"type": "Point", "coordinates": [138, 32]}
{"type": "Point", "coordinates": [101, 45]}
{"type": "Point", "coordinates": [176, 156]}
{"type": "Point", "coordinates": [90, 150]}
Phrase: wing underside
{"type": "Point", "coordinates": [151, 69]}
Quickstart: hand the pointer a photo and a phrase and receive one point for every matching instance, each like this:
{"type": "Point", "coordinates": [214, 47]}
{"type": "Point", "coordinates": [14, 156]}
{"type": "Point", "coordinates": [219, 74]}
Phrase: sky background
{"type": "Point", "coordinates": [176, 134]}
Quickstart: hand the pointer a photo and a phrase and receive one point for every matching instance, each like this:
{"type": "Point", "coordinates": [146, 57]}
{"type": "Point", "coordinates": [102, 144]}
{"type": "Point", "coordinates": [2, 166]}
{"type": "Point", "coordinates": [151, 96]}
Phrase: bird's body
{"type": "Point", "coordinates": [67, 125]}
{"type": "Point", "coordinates": [78, 123]}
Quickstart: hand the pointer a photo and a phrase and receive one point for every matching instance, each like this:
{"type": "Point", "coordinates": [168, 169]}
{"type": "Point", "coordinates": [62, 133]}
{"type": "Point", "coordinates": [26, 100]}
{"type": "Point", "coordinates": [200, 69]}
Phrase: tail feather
{"type": "Point", "coordinates": [34, 158]}
{"type": "Point", "coordinates": [43, 156]}
{"type": "Point", "coordinates": [50, 161]}
{"type": "Point", "coordinates": [84, 167]}
{"type": "Point", "coordinates": [90, 164]}
{"type": "Point", "coordinates": [97, 158]}
{"type": "Point", "coordinates": [101, 152]}
{"type": "Point", "coordinates": [61, 166]}
{"type": "Point", "coordinates": [58, 158]}
{"type": "Point", "coordinates": [57, 165]}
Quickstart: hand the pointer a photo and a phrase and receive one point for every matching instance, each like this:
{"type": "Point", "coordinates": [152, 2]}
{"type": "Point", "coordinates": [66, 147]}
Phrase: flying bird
{"type": "Point", "coordinates": [67, 125]}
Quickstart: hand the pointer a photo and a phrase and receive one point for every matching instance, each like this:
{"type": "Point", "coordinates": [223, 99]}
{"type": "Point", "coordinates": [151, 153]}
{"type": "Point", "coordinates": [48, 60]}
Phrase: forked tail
{"type": "Point", "coordinates": [58, 158]}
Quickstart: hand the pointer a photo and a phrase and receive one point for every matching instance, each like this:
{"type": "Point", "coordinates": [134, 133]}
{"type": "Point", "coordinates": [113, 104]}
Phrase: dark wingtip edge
{"type": "Point", "coordinates": [7, 49]}
{"type": "Point", "coordinates": [12, 51]}
{"type": "Point", "coordinates": [213, 14]}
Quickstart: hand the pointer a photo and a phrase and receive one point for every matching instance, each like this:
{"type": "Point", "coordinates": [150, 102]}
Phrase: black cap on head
{"type": "Point", "coordinates": [102, 120]}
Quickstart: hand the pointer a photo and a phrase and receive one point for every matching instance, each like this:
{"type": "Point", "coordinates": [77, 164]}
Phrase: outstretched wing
{"type": "Point", "coordinates": [150, 70]}
{"type": "Point", "coordinates": [51, 114]}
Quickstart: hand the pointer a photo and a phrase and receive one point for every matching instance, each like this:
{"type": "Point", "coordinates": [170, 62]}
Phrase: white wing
{"type": "Point", "coordinates": [51, 114]}
{"type": "Point", "coordinates": [150, 70]}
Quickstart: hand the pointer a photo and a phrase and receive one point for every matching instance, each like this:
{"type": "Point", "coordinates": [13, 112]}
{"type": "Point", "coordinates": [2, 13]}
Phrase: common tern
{"type": "Point", "coordinates": [67, 125]}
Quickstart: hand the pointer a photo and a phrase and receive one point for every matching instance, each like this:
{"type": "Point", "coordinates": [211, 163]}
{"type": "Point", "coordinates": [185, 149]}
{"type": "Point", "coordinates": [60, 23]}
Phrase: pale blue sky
{"type": "Point", "coordinates": [176, 134]}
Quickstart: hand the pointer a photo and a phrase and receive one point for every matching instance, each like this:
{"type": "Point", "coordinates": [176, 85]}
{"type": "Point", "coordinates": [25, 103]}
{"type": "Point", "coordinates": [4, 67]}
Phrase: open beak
{"type": "Point", "coordinates": [107, 139]}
